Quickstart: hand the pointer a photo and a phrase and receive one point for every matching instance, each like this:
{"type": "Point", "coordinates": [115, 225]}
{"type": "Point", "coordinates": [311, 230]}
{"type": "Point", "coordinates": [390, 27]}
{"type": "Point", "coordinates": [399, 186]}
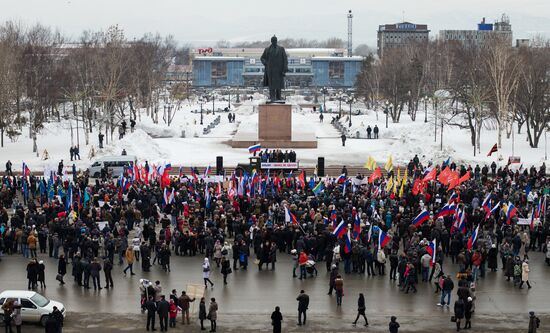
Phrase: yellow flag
{"type": "Point", "coordinates": [389, 165]}
{"type": "Point", "coordinates": [389, 185]}
{"type": "Point", "coordinates": [371, 163]}
{"type": "Point", "coordinates": [398, 179]}
{"type": "Point", "coordinates": [395, 183]}
{"type": "Point", "coordinates": [402, 189]}
{"type": "Point", "coordinates": [405, 176]}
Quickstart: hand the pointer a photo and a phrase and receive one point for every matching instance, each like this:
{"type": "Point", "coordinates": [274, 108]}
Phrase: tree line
{"type": "Point", "coordinates": [97, 80]}
{"type": "Point", "coordinates": [490, 85]}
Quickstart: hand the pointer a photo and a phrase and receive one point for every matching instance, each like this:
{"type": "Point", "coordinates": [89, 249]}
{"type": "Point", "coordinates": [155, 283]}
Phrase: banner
{"type": "Point", "coordinates": [527, 221]}
{"type": "Point", "coordinates": [279, 165]}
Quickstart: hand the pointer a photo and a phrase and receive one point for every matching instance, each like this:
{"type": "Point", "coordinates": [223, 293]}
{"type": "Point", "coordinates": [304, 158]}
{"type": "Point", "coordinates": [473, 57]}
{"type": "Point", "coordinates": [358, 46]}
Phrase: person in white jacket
{"type": "Point", "coordinates": [525, 274]}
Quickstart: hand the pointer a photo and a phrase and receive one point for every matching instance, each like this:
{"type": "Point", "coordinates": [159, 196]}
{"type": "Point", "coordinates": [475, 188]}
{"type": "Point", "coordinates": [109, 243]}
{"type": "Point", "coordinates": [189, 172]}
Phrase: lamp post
{"type": "Point", "coordinates": [213, 96]}
{"type": "Point", "coordinates": [350, 101]}
{"type": "Point", "coordinates": [324, 91]}
{"type": "Point", "coordinates": [340, 99]}
{"type": "Point", "coordinates": [201, 102]}
{"type": "Point", "coordinates": [229, 98]}
{"type": "Point", "coordinates": [238, 100]}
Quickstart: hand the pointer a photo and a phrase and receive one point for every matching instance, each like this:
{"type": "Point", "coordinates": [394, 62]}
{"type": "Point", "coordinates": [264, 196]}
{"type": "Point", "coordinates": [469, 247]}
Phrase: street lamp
{"type": "Point", "coordinates": [229, 98]}
{"type": "Point", "coordinates": [350, 101]}
{"type": "Point", "coordinates": [388, 107]}
{"type": "Point", "coordinates": [213, 96]}
{"type": "Point", "coordinates": [201, 102]}
{"type": "Point", "coordinates": [340, 99]}
{"type": "Point", "coordinates": [324, 91]}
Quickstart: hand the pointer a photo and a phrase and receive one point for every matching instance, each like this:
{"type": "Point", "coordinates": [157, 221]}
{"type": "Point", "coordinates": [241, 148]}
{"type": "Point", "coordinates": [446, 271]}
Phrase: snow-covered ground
{"type": "Point", "coordinates": [183, 143]}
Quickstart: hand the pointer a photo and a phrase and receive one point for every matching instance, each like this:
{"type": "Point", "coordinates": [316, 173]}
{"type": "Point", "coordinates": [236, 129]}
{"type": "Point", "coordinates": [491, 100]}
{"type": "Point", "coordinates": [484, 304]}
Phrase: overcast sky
{"type": "Point", "coordinates": [203, 22]}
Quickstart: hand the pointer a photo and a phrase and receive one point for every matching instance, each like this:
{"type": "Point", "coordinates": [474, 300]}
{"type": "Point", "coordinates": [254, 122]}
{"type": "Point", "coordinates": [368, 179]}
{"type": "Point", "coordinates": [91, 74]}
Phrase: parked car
{"type": "Point", "coordinates": [114, 164]}
{"type": "Point", "coordinates": [34, 307]}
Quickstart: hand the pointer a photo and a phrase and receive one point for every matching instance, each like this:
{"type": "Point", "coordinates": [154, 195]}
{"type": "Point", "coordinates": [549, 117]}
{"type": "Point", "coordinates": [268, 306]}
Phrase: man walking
{"type": "Point", "coordinates": [303, 303]}
{"type": "Point", "coordinates": [446, 289]}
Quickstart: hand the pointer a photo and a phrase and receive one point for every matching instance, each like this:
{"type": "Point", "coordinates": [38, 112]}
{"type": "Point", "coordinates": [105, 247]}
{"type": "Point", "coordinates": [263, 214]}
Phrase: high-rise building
{"type": "Point", "coordinates": [398, 35]}
{"type": "Point", "coordinates": [485, 31]}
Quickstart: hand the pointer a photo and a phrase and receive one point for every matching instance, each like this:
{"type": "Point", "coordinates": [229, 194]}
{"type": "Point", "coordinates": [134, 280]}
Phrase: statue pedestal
{"type": "Point", "coordinates": [273, 130]}
{"type": "Point", "coordinates": [275, 122]}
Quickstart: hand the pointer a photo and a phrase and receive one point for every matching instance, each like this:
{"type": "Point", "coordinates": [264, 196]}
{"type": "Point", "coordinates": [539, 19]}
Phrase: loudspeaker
{"type": "Point", "coordinates": [219, 165]}
{"type": "Point", "coordinates": [320, 166]}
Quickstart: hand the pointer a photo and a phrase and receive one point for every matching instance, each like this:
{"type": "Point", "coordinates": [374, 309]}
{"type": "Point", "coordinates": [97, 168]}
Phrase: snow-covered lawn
{"type": "Point", "coordinates": [159, 143]}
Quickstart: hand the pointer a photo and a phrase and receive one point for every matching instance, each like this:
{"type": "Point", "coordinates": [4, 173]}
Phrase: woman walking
{"type": "Point", "coordinates": [525, 274]}
{"type": "Point", "coordinates": [16, 316]}
{"type": "Point", "coordinates": [130, 257]}
{"type": "Point", "coordinates": [276, 320]}
{"type": "Point", "coordinates": [213, 314]}
{"type": "Point", "coordinates": [468, 310]}
{"type": "Point", "coordinates": [202, 313]}
{"type": "Point", "coordinates": [61, 268]}
{"type": "Point", "coordinates": [8, 310]}
{"type": "Point", "coordinates": [42, 274]}
{"type": "Point", "coordinates": [206, 273]}
{"type": "Point", "coordinates": [361, 307]}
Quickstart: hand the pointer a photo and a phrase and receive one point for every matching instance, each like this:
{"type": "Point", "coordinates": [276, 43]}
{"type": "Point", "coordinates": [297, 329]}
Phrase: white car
{"type": "Point", "coordinates": [34, 307]}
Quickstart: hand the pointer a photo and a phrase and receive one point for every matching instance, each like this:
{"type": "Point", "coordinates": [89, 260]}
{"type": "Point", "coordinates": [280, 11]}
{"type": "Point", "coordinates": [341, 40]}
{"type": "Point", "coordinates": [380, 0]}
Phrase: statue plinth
{"type": "Point", "coordinates": [275, 122]}
{"type": "Point", "coordinates": [274, 130]}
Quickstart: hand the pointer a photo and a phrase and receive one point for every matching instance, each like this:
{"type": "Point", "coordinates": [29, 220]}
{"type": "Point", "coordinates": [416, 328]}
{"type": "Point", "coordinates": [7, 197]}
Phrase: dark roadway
{"type": "Point", "coordinates": [247, 301]}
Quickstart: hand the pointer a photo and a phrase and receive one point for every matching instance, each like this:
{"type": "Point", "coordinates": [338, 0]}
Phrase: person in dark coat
{"type": "Point", "coordinates": [163, 309]}
{"type": "Point", "coordinates": [492, 258]}
{"type": "Point", "coordinates": [95, 268]}
{"type": "Point", "coordinates": [394, 325]}
{"type": "Point", "coordinates": [42, 274]}
{"type": "Point", "coordinates": [460, 308]}
{"type": "Point", "coordinates": [276, 320]}
{"type": "Point", "coordinates": [275, 61]}
{"type": "Point", "coordinates": [151, 308]}
{"type": "Point", "coordinates": [468, 310]}
{"type": "Point", "coordinates": [202, 313]}
{"type": "Point", "coordinates": [226, 269]}
{"type": "Point", "coordinates": [361, 307]}
{"type": "Point", "coordinates": [303, 304]}
{"type": "Point", "coordinates": [32, 273]}
{"type": "Point", "coordinates": [107, 270]}
{"type": "Point", "coordinates": [62, 268]}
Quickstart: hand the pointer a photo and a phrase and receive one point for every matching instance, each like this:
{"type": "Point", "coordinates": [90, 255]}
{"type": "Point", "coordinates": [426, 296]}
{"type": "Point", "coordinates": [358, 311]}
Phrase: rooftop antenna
{"type": "Point", "coordinates": [350, 23]}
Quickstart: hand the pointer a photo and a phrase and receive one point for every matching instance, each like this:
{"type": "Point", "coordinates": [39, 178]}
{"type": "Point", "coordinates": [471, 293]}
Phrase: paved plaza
{"type": "Point", "coordinates": [248, 300]}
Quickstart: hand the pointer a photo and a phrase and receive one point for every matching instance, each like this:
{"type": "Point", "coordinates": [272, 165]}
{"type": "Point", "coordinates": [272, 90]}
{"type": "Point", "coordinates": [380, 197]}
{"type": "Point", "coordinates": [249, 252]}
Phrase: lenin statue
{"type": "Point", "coordinates": [276, 65]}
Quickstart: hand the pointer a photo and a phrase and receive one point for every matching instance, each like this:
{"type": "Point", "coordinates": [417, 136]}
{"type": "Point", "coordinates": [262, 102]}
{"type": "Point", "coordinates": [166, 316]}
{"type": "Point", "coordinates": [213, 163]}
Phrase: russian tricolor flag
{"type": "Point", "coordinates": [383, 239]}
{"type": "Point", "coordinates": [207, 171]}
{"type": "Point", "coordinates": [26, 170]}
{"type": "Point", "coordinates": [340, 229]}
{"type": "Point", "coordinates": [254, 148]}
{"type": "Point", "coordinates": [473, 238]}
{"type": "Point", "coordinates": [431, 249]}
{"type": "Point", "coordinates": [510, 212]}
{"type": "Point", "coordinates": [347, 242]}
{"type": "Point", "coordinates": [447, 210]}
{"type": "Point", "coordinates": [356, 226]}
{"type": "Point", "coordinates": [341, 179]}
{"type": "Point", "coordinates": [289, 217]}
{"type": "Point", "coordinates": [421, 218]}
{"type": "Point", "coordinates": [453, 198]}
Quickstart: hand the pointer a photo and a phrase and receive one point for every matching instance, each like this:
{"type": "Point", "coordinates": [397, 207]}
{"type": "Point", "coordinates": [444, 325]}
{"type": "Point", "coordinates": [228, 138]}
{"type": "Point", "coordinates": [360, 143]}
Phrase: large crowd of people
{"type": "Point", "coordinates": [356, 225]}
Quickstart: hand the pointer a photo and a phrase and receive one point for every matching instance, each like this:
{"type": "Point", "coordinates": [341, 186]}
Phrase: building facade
{"type": "Point", "coordinates": [485, 31]}
{"type": "Point", "coordinates": [306, 68]}
{"type": "Point", "coordinates": [398, 35]}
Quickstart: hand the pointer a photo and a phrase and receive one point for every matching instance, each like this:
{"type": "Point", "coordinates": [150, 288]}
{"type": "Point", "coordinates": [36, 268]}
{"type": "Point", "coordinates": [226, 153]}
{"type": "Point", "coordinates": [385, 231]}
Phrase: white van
{"type": "Point", "coordinates": [114, 164]}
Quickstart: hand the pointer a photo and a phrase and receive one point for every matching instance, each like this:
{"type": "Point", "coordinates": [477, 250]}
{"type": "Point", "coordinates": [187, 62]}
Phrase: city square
{"type": "Point", "coordinates": [283, 167]}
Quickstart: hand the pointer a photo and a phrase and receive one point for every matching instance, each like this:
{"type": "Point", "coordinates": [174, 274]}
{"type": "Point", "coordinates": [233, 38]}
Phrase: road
{"type": "Point", "coordinates": [247, 301]}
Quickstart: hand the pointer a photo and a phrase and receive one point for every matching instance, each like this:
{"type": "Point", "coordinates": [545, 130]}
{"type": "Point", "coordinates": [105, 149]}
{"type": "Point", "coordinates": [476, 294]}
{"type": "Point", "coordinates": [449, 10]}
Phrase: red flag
{"type": "Point", "coordinates": [375, 175]}
{"type": "Point", "coordinates": [464, 178]}
{"type": "Point", "coordinates": [453, 180]}
{"type": "Point", "coordinates": [418, 187]}
{"type": "Point", "coordinates": [165, 179]}
{"type": "Point", "coordinates": [493, 150]}
{"type": "Point", "coordinates": [443, 175]}
{"type": "Point", "coordinates": [430, 175]}
{"type": "Point", "coordinates": [302, 180]}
